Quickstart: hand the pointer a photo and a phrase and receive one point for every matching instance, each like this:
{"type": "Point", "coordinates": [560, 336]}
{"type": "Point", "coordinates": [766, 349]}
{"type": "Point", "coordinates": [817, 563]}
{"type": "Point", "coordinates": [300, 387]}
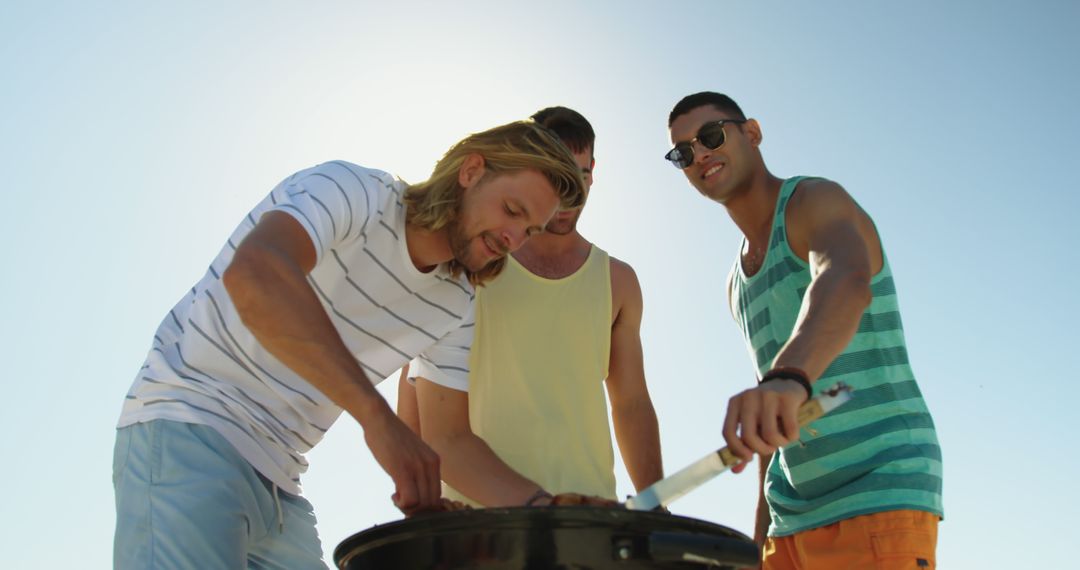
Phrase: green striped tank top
{"type": "Point", "coordinates": [879, 452]}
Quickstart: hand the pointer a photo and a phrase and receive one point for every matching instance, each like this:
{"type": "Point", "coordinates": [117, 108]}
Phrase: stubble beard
{"type": "Point", "coordinates": [725, 190]}
{"type": "Point", "coordinates": [562, 228]}
{"type": "Point", "coordinates": [460, 246]}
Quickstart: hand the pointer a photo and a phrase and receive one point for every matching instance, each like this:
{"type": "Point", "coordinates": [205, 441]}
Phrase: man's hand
{"type": "Point", "coordinates": [739, 467]}
{"type": "Point", "coordinates": [412, 465]}
{"type": "Point", "coordinates": [763, 419]}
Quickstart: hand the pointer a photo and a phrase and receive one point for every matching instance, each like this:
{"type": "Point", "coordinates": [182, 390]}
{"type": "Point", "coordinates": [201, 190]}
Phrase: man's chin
{"type": "Point", "coordinates": [476, 267]}
{"type": "Point", "coordinates": [476, 264]}
{"type": "Point", "coordinates": [561, 228]}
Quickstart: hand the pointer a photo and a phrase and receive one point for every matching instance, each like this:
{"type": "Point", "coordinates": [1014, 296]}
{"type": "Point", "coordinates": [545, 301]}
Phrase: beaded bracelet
{"type": "Point", "coordinates": [789, 373]}
{"type": "Point", "coordinates": [539, 494]}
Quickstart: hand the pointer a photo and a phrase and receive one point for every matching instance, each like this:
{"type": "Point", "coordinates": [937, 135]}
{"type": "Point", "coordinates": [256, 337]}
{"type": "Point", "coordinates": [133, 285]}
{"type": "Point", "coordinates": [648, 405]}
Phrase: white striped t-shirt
{"type": "Point", "coordinates": [205, 367]}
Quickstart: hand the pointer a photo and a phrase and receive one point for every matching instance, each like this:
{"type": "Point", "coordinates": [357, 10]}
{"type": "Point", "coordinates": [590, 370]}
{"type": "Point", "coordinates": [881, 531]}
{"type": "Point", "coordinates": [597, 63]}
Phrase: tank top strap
{"type": "Point", "coordinates": [779, 226]}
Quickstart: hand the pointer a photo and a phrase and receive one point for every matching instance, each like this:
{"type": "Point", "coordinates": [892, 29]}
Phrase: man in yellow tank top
{"type": "Point", "coordinates": [560, 323]}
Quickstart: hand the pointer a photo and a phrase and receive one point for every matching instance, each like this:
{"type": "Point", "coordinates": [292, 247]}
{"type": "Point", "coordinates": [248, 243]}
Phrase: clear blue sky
{"type": "Point", "coordinates": [133, 136]}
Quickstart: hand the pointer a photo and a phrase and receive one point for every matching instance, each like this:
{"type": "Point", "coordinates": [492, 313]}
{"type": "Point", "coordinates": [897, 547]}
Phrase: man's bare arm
{"type": "Point", "coordinates": [469, 464]}
{"type": "Point", "coordinates": [267, 282]}
{"type": "Point", "coordinates": [636, 428]}
{"type": "Point", "coordinates": [843, 251]}
{"type": "Point", "coordinates": [837, 238]}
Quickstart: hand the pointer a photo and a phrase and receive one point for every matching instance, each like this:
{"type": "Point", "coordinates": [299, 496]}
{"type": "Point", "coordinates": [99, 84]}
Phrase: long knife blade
{"type": "Point", "coordinates": [668, 489]}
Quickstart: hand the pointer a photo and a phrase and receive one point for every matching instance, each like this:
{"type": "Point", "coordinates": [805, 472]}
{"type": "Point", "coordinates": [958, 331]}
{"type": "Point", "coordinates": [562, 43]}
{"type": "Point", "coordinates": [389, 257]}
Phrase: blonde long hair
{"type": "Point", "coordinates": [436, 202]}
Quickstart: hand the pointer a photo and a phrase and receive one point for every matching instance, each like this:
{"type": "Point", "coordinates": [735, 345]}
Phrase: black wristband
{"type": "Point", "coordinates": [788, 373]}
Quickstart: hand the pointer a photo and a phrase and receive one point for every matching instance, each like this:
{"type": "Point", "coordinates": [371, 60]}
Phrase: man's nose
{"type": "Point", "coordinates": [513, 238]}
{"type": "Point", "coordinates": [701, 152]}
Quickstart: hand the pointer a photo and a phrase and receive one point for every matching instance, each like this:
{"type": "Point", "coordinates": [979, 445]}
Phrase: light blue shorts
{"type": "Point", "coordinates": [185, 499]}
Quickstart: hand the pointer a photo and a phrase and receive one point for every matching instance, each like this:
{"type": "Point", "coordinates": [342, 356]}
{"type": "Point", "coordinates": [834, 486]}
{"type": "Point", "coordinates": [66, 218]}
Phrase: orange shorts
{"type": "Point", "coordinates": [887, 540]}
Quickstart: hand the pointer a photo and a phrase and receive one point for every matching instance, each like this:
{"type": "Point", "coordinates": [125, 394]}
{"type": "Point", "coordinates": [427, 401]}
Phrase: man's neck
{"type": "Point", "coordinates": [554, 256]}
{"type": "Point", "coordinates": [752, 208]}
{"type": "Point", "coordinates": [427, 249]}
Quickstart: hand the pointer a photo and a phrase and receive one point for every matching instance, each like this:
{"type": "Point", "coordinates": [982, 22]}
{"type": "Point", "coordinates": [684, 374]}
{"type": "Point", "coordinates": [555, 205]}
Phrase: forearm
{"type": "Point", "coordinates": [761, 518]}
{"type": "Point", "coordinates": [830, 315]}
{"type": "Point", "coordinates": [471, 467]}
{"type": "Point", "coordinates": [468, 463]}
{"type": "Point", "coordinates": [276, 303]}
{"type": "Point", "coordinates": [638, 435]}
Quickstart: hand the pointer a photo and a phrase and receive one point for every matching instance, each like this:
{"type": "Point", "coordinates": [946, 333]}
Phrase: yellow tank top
{"type": "Point", "coordinates": [538, 363]}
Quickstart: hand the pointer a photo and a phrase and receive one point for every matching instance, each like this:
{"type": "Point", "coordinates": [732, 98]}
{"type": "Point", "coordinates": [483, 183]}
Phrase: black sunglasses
{"type": "Point", "coordinates": [710, 135]}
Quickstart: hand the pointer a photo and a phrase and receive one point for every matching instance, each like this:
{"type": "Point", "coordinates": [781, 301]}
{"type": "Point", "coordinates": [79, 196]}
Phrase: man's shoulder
{"type": "Point", "coordinates": [820, 199]}
{"type": "Point", "coordinates": [621, 269]}
{"type": "Point", "coordinates": [813, 188]}
{"type": "Point", "coordinates": [348, 175]}
{"type": "Point", "coordinates": [811, 191]}
{"type": "Point", "coordinates": [624, 280]}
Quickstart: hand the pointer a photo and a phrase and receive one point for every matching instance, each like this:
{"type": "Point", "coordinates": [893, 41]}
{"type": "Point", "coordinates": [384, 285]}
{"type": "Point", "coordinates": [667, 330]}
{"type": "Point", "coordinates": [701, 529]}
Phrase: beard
{"type": "Point", "coordinates": [462, 246]}
{"type": "Point", "coordinates": [563, 227]}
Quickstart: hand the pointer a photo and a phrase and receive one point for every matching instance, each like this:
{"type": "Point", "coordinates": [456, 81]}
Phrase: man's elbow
{"type": "Point", "coordinates": [637, 410]}
{"type": "Point", "coordinates": [442, 443]}
{"type": "Point", "coordinates": [440, 438]}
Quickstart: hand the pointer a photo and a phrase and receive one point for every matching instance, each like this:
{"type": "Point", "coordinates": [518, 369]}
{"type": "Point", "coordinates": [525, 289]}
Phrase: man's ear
{"type": "Point", "coordinates": [471, 171]}
{"type": "Point", "coordinates": [753, 131]}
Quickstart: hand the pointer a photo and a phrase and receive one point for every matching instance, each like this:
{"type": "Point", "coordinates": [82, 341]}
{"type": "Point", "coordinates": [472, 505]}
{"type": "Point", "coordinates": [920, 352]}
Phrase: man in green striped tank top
{"type": "Point", "coordinates": [812, 291]}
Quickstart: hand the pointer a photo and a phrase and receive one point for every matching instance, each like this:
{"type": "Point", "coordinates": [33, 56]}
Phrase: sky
{"type": "Point", "coordinates": [135, 135]}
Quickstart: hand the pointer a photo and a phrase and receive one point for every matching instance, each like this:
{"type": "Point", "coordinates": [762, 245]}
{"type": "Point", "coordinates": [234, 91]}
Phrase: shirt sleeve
{"type": "Point", "coordinates": [446, 362]}
{"type": "Point", "coordinates": [333, 202]}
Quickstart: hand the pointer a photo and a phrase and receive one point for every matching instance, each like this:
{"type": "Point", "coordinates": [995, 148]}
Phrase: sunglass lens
{"type": "Point", "coordinates": [681, 156]}
{"type": "Point", "coordinates": [711, 135]}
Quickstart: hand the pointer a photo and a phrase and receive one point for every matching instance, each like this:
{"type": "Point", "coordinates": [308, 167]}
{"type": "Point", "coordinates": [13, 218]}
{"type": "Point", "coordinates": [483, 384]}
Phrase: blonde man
{"type": "Point", "coordinates": [556, 328]}
{"type": "Point", "coordinates": [337, 278]}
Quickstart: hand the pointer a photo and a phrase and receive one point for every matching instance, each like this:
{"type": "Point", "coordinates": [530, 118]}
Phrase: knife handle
{"type": "Point", "coordinates": [808, 412]}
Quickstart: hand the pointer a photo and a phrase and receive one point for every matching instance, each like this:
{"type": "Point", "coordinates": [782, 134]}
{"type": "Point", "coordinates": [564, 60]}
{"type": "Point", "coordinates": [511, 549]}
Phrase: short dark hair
{"type": "Point", "coordinates": [572, 128]}
{"type": "Point", "coordinates": [719, 101]}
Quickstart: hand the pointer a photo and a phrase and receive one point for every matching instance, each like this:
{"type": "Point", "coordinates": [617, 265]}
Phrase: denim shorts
{"type": "Point", "coordinates": [185, 499]}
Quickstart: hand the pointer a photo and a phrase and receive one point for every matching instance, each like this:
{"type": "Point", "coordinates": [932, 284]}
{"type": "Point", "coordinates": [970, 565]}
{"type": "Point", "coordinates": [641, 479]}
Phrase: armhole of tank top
{"type": "Point", "coordinates": [786, 247]}
{"type": "Point", "coordinates": [881, 243]}
{"type": "Point", "coordinates": [734, 273]}
{"type": "Point", "coordinates": [608, 273]}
